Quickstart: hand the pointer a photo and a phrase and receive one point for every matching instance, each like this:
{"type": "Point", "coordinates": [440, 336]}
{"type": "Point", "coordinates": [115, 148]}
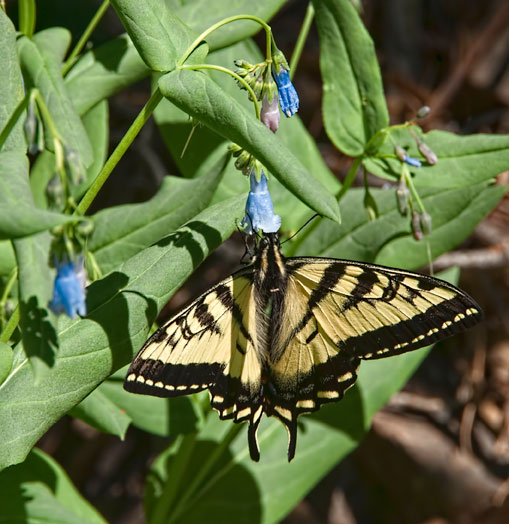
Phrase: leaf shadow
{"type": "Point", "coordinates": [236, 481]}
{"type": "Point", "coordinates": [347, 415]}
{"type": "Point", "coordinates": [40, 340]}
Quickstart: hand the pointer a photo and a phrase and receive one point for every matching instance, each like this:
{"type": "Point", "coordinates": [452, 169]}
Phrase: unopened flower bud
{"type": "Point", "coordinates": [270, 115]}
{"type": "Point", "coordinates": [416, 226]}
{"type": "Point", "coordinates": [73, 166]}
{"type": "Point", "coordinates": [55, 193]}
{"type": "Point", "coordinates": [425, 222]}
{"type": "Point", "coordinates": [402, 197]}
{"type": "Point", "coordinates": [423, 111]}
{"type": "Point", "coordinates": [427, 153]}
{"type": "Point", "coordinates": [400, 153]}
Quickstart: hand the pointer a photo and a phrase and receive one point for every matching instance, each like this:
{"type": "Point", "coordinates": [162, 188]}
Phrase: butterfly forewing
{"type": "Point", "coordinates": [211, 344]}
{"type": "Point", "coordinates": [372, 311]}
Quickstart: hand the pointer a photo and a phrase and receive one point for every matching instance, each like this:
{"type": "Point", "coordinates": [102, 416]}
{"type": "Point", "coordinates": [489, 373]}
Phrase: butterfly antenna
{"type": "Point", "coordinates": [301, 228]}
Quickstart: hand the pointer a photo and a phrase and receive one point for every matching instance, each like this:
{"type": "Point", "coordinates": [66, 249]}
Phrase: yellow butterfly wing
{"type": "Point", "coordinates": [213, 344]}
{"type": "Point", "coordinates": [338, 312]}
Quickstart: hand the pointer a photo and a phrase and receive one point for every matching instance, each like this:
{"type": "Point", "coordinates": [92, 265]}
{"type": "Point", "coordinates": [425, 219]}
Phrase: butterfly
{"type": "Point", "coordinates": [283, 336]}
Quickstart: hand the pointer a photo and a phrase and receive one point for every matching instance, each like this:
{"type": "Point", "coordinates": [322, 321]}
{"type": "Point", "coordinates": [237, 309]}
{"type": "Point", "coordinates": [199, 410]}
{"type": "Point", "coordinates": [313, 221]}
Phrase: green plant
{"type": "Point", "coordinates": [141, 254]}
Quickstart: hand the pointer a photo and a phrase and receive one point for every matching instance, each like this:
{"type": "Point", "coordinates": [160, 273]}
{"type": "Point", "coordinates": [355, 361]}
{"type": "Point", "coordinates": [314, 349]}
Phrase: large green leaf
{"type": "Point", "coordinates": [39, 490]}
{"type": "Point", "coordinates": [160, 37]}
{"type": "Point", "coordinates": [354, 106]}
{"type": "Point", "coordinates": [103, 71]}
{"type": "Point", "coordinates": [42, 69]}
{"type": "Point", "coordinates": [388, 240]}
{"type": "Point", "coordinates": [18, 216]}
{"type": "Point", "coordinates": [205, 146]}
{"type": "Point", "coordinates": [122, 231]}
{"type": "Point", "coordinates": [201, 14]}
{"type": "Point", "coordinates": [160, 416]}
{"type": "Point", "coordinates": [462, 160]}
{"type": "Point", "coordinates": [11, 85]}
{"type": "Point", "coordinates": [229, 119]}
{"type": "Point", "coordinates": [121, 308]}
{"type": "Point", "coordinates": [35, 284]}
{"type": "Point", "coordinates": [100, 412]}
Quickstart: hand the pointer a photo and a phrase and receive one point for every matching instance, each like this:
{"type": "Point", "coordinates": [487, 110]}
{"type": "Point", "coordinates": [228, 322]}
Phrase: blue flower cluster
{"type": "Point", "coordinates": [259, 208]}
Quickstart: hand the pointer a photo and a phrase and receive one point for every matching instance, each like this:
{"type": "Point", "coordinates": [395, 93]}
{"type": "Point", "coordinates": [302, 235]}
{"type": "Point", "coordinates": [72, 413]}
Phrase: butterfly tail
{"type": "Point", "coordinates": [252, 435]}
{"type": "Point", "coordinates": [292, 438]}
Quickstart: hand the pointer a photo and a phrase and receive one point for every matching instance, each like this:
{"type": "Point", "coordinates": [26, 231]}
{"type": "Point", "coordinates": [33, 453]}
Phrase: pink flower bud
{"type": "Point", "coordinates": [270, 115]}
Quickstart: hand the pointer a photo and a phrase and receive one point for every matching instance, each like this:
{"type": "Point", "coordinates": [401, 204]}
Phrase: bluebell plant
{"type": "Point", "coordinates": [270, 81]}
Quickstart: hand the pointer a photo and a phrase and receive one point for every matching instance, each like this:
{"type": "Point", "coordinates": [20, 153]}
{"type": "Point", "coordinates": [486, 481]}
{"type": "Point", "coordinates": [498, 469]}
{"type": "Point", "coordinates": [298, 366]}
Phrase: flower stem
{"type": "Point", "coordinates": [231, 73]}
{"type": "Point", "coordinates": [84, 37]}
{"type": "Point", "coordinates": [115, 157]}
{"type": "Point", "coordinates": [301, 39]}
{"type": "Point", "coordinates": [350, 177]}
{"type": "Point", "coordinates": [219, 24]}
{"type": "Point", "coordinates": [27, 10]}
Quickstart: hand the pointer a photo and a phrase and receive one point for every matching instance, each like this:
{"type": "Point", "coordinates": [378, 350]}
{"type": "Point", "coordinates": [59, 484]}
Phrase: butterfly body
{"type": "Point", "coordinates": [284, 336]}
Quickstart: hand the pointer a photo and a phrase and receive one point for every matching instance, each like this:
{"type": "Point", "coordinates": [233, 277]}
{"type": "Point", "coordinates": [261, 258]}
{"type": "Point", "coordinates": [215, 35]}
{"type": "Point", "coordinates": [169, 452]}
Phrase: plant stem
{"type": "Point", "coordinates": [84, 37]}
{"type": "Point", "coordinates": [184, 446]}
{"type": "Point", "coordinates": [301, 39]}
{"type": "Point", "coordinates": [350, 177]}
{"type": "Point", "coordinates": [46, 115]}
{"type": "Point", "coordinates": [115, 157]}
{"type": "Point", "coordinates": [231, 73]}
{"type": "Point", "coordinates": [11, 325]}
{"type": "Point", "coordinates": [26, 10]}
{"type": "Point", "coordinates": [219, 24]}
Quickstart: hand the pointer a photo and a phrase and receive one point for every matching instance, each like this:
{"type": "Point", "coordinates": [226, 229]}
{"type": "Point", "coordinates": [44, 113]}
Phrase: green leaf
{"type": "Point", "coordinates": [160, 37]}
{"type": "Point", "coordinates": [354, 106]}
{"type": "Point", "coordinates": [103, 71]}
{"type": "Point", "coordinates": [54, 41]}
{"type": "Point", "coordinates": [205, 146]}
{"type": "Point", "coordinates": [122, 231]}
{"type": "Point", "coordinates": [7, 260]}
{"type": "Point", "coordinates": [160, 416]}
{"type": "Point", "coordinates": [201, 14]}
{"type": "Point", "coordinates": [18, 216]}
{"type": "Point", "coordinates": [96, 122]}
{"type": "Point", "coordinates": [11, 86]}
{"type": "Point", "coordinates": [228, 118]}
{"type": "Point", "coordinates": [100, 412]}
{"type": "Point", "coordinates": [121, 308]}
{"type": "Point", "coordinates": [462, 160]}
{"type": "Point", "coordinates": [455, 213]}
{"type": "Point", "coordinates": [39, 490]}
{"type": "Point", "coordinates": [35, 291]}
{"type": "Point", "coordinates": [5, 360]}
{"type": "Point", "coordinates": [42, 69]}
